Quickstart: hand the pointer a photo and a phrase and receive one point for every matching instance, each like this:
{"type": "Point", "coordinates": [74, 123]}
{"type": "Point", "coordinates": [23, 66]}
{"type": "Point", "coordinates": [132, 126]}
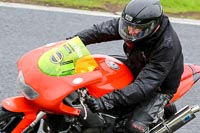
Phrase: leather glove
{"type": "Point", "coordinates": [95, 104]}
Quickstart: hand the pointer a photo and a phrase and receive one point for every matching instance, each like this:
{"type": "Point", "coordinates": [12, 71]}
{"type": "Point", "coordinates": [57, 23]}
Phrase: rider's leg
{"type": "Point", "coordinates": [146, 113]}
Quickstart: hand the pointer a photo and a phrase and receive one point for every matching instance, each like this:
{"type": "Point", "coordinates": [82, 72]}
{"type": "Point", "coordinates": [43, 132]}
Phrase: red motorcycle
{"type": "Point", "coordinates": [56, 79]}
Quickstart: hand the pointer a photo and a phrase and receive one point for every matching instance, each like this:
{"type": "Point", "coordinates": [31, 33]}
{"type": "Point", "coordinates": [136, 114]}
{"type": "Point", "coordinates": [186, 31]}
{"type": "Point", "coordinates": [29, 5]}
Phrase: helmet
{"type": "Point", "coordinates": [139, 19]}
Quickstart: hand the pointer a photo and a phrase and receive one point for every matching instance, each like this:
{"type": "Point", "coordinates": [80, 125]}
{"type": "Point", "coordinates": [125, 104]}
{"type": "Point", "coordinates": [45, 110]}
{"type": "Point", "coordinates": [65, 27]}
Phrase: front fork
{"type": "Point", "coordinates": [39, 116]}
{"type": "Point", "coordinates": [32, 115]}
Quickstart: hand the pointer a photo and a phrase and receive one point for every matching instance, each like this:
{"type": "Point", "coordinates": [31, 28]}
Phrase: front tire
{"type": "Point", "coordinates": [9, 120]}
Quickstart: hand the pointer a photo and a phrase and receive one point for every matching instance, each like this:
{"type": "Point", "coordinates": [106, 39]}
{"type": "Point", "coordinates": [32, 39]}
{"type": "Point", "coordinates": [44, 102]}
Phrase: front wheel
{"type": "Point", "coordinates": [9, 120]}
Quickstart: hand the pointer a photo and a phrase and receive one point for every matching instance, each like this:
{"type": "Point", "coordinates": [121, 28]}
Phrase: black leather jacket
{"type": "Point", "coordinates": [157, 61]}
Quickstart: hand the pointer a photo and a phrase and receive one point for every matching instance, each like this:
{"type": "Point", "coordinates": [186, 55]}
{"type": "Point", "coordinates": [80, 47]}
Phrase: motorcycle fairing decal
{"type": "Point", "coordinates": [66, 58]}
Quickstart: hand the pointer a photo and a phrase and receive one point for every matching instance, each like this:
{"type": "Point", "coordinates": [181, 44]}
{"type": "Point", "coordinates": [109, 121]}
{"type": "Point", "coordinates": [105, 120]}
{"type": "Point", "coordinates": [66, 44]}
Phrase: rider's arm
{"type": "Point", "coordinates": [149, 79]}
{"type": "Point", "coordinates": [105, 31]}
{"type": "Point", "coordinates": [153, 74]}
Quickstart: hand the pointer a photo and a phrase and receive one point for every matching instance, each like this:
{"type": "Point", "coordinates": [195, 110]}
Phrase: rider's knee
{"type": "Point", "coordinates": [136, 127]}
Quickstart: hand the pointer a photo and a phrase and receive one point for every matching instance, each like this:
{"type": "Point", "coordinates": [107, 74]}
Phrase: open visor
{"type": "Point", "coordinates": [132, 31]}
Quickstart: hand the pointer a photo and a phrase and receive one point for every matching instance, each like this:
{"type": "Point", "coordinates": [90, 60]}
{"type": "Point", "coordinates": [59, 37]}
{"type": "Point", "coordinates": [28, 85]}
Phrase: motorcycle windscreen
{"type": "Point", "coordinates": [71, 57]}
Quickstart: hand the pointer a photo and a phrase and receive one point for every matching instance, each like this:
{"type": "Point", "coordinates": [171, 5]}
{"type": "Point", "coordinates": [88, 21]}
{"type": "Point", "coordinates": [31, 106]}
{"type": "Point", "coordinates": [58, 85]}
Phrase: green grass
{"type": "Point", "coordinates": [171, 6]}
{"type": "Point", "coordinates": [176, 6]}
{"type": "Point", "coordinates": [85, 4]}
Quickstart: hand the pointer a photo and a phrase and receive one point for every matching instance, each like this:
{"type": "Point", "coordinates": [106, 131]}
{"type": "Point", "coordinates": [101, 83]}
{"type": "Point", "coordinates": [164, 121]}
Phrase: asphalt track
{"type": "Point", "coordinates": [23, 28]}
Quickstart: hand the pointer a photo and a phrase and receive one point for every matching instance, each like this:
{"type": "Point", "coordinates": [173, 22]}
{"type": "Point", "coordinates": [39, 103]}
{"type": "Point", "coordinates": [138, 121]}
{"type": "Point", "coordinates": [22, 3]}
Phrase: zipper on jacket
{"type": "Point", "coordinates": [144, 57]}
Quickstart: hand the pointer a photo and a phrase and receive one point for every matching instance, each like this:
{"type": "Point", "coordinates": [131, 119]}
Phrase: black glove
{"type": "Point", "coordinates": [95, 104]}
{"type": "Point", "coordinates": [101, 104]}
{"type": "Point", "coordinates": [117, 98]}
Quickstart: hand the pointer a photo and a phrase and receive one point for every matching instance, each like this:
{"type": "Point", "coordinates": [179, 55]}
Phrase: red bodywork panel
{"type": "Point", "coordinates": [53, 89]}
{"type": "Point", "coordinates": [189, 77]}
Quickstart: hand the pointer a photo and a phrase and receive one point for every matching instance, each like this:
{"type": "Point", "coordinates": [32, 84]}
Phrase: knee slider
{"type": "Point", "coordinates": [136, 127]}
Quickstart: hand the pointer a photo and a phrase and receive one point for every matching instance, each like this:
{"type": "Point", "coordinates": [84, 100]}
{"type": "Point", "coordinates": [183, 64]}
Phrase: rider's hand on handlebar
{"type": "Point", "coordinates": [94, 104]}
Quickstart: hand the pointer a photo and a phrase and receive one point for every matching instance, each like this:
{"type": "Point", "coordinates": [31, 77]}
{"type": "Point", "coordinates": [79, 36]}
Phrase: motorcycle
{"type": "Point", "coordinates": [56, 79]}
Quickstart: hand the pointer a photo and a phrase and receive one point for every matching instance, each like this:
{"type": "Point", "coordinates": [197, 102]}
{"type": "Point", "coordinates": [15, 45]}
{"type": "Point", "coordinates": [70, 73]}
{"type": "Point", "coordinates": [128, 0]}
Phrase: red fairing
{"type": "Point", "coordinates": [115, 75]}
{"type": "Point", "coordinates": [109, 75]}
{"type": "Point", "coordinates": [51, 89]}
{"type": "Point", "coordinates": [189, 77]}
{"type": "Point", "coordinates": [19, 104]}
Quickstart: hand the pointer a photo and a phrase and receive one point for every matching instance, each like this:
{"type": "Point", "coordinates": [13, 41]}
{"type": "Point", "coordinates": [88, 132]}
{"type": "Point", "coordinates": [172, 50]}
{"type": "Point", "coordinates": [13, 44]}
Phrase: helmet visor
{"type": "Point", "coordinates": [132, 31]}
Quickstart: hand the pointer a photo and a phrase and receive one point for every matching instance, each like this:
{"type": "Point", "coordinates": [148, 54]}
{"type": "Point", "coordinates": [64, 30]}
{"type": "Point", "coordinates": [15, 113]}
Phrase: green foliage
{"type": "Point", "coordinates": [175, 6]}
{"type": "Point", "coordinates": [171, 6]}
{"type": "Point", "coordinates": [85, 4]}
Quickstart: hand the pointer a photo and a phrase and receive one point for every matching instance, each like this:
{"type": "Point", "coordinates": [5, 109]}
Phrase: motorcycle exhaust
{"type": "Point", "coordinates": [176, 121]}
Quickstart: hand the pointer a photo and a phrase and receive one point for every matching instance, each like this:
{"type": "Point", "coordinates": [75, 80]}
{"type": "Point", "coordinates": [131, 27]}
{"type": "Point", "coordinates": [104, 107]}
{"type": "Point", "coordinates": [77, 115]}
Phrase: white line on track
{"type": "Point", "coordinates": [85, 12]}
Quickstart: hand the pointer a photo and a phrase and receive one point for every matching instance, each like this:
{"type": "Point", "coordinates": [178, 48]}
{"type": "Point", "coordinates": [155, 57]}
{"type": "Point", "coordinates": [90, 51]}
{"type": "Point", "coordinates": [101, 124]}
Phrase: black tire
{"type": "Point", "coordinates": [9, 120]}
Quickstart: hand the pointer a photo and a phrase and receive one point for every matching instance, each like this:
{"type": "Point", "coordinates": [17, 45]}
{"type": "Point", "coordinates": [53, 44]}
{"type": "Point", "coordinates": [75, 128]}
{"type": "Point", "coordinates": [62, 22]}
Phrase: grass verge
{"type": "Point", "coordinates": [177, 8]}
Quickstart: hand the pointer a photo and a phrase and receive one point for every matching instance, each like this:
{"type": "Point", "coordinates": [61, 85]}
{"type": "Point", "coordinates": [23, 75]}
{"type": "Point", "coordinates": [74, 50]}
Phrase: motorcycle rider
{"type": "Point", "coordinates": [154, 55]}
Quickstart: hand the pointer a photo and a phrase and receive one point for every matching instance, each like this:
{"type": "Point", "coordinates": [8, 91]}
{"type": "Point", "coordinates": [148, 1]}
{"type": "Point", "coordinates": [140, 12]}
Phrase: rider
{"type": "Point", "coordinates": [154, 55]}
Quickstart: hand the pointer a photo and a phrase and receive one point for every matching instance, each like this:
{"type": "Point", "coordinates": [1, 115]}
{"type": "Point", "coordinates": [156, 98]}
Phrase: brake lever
{"type": "Point", "coordinates": [82, 96]}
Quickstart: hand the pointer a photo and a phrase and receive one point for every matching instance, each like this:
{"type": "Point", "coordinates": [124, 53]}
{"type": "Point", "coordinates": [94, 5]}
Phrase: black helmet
{"type": "Point", "coordinates": [139, 19]}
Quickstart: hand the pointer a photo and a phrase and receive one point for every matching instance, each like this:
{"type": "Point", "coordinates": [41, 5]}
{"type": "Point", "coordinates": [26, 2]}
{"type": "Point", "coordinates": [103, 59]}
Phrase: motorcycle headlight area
{"type": "Point", "coordinates": [26, 90]}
